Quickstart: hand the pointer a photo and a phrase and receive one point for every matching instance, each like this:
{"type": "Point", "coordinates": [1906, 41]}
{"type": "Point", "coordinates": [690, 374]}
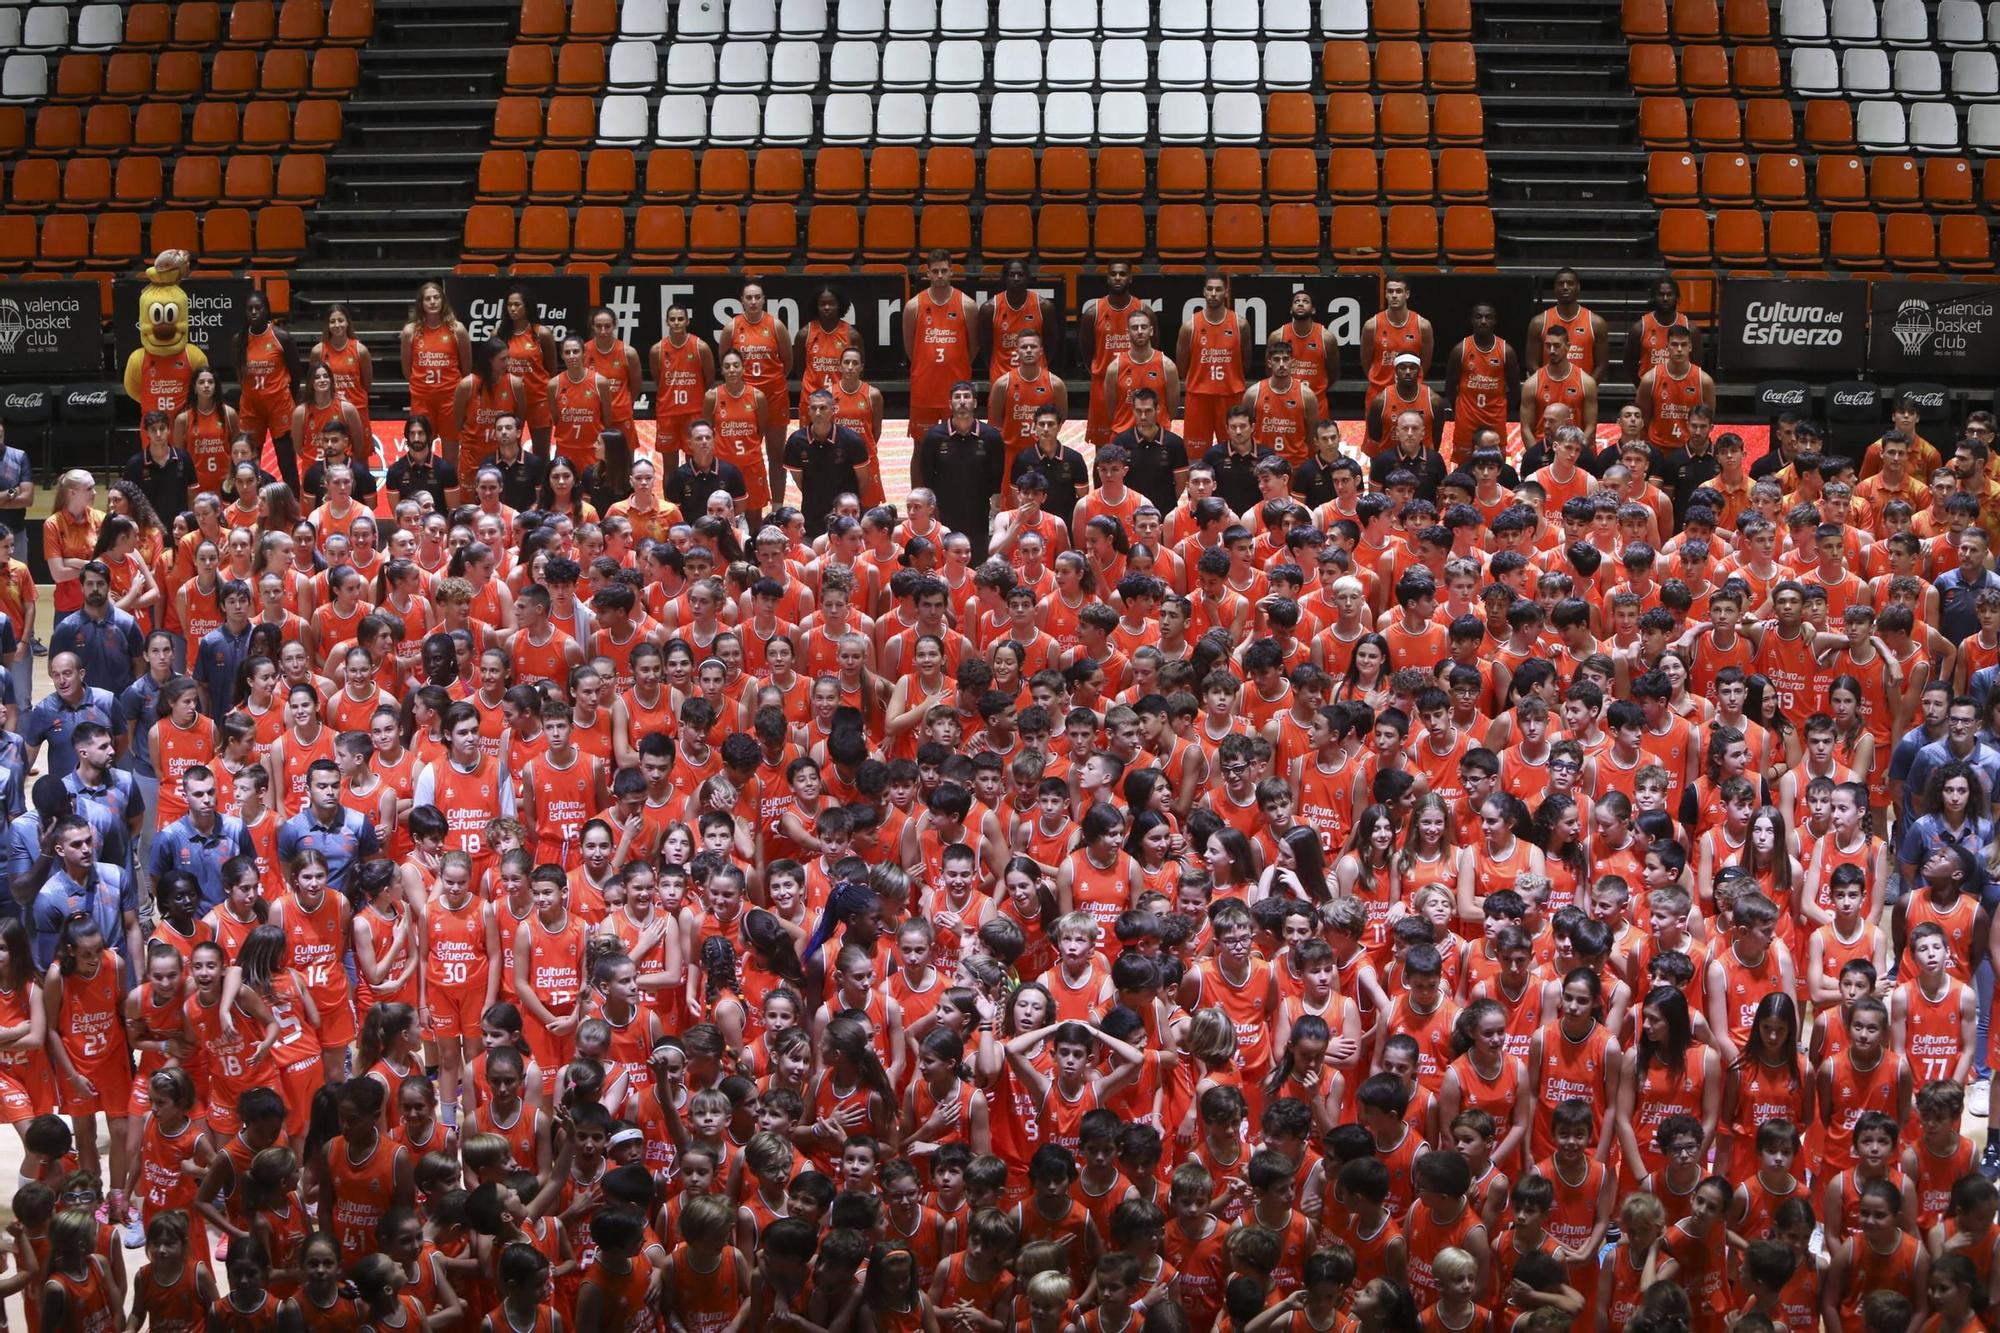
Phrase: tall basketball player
{"type": "Point", "coordinates": [1100, 337]}
{"type": "Point", "coordinates": [1589, 338]}
{"type": "Point", "coordinates": [940, 336]}
{"type": "Point", "coordinates": [1395, 330]}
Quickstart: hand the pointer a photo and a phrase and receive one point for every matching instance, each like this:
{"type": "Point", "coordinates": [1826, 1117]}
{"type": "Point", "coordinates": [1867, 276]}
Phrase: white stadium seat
{"type": "Point", "coordinates": [1069, 117]}
{"type": "Point", "coordinates": [1879, 127]}
{"type": "Point", "coordinates": [1183, 117]}
{"type": "Point", "coordinates": [854, 66]}
{"type": "Point", "coordinates": [1233, 63]}
{"type": "Point", "coordinates": [1864, 71]}
{"type": "Point", "coordinates": [963, 18]}
{"type": "Point", "coordinates": [1982, 128]}
{"type": "Point", "coordinates": [1975, 74]}
{"type": "Point", "coordinates": [1183, 63]}
{"type": "Point", "coordinates": [1235, 18]}
{"type": "Point", "coordinates": [10, 28]}
{"type": "Point", "coordinates": [847, 118]}
{"type": "Point", "coordinates": [623, 118]}
{"type": "Point", "coordinates": [1015, 117]}
{"type": "Point", "coordinates": [1804, 20]}
{"type": "Point", "coordinates": [955, 118]}
{"type": "Point", "coordinates": [633, 65]}
{"type": "Point", "coordinates": [1183, 18]}
{"type": "Point", "coordinates": [1123, 62]}
{"type": "Point", "coordinates": [1237, 118]}
{"type": "Point", "coordinates": [1905, 23]}
{"type": "Point", "coordinates": [690, 67]}
{"type": "Point", "coordinates": [1287, 18]}
{"type": "Point", "coordinates": [698, 21]}
{"type": "Point", "coordinates": [46, 28]}
{"type": "Point", "coordinates": [753, 18]}
{"type": "Point", "coordinates": [1918, 74]}
{"type": "Point", "coordinates": [1073, 18]}
{"type": "Point", "coordinates": [1122, 117]}
{"type": "Point", "coordinates": [1288, 64]}
{"type": "Point", "coordinates": [744, 64]}
{"type": "Point", "coordinates": [913, 18]}
{"type": "Point", "coordinates": [1854, 21]}
{"type": "Point", "coordinates": [24, 78]}
{"type": "Point", "coordinates": [906, 65]}
{"type": "Point", "coordinates": [642, 18]}
{"type": "Point", "coordinates": [900, 117]}
{"type": "Point", "coordinates": [1960, 23]}
{"type": "Point", "coordinates": [1815, 71]}
{"type": "Point", "coordinates": [100, 27]}
{"type": "Point", "coordinates": [1071, 62]}
{"type": "Point", "coordinates": [683, 119]}
{"type": "Point", "coordinates": [1030, 18]}
{"type": "Point", "coordinates": [795, 65]}
{"type": "Point", "coordinates": [1934, 127]}
{"type": "Point", "coordinates": [802, 18]}
{"type": "Point", "coordinates": [1017, 63]}
{"type": "Point", "coordinates": [959, 63]}
{"type": "Point", "coordinates": [788, 118]}
{"type": "Point", "coordinates": [736, 118]}
{"type": "Point", "coordinates": [1125, 18]}
{"type": "Point", "coordinates": [859, 18]}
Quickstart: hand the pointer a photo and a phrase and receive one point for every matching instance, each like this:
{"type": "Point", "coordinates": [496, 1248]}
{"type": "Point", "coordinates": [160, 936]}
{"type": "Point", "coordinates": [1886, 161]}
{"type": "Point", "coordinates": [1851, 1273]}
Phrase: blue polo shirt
{"type": "Point", "coordinates": [107, 901]}
{"type": "Point", "coordinates": [108, 646]}
{"type": "Point", "coordinates": [216, 662]}
{"type": "Point", "coordinates": [181, 846]}
{"type": "Point", "coordinates": [52, 721]}
{"type": "Point", "coordinates": [118, 798]}
{"type": "Point", "coordinates": [351, 838]}
{"type": "Point", "coordinates": [136, 702]}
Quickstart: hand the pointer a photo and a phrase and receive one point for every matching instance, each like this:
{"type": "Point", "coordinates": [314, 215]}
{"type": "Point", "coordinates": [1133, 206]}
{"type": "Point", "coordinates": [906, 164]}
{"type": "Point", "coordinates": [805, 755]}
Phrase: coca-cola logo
{"type": "Point", "coordinates": [27, 402]}
{"type": "Point", "coordinates": [1785, 397]}
{"type": "Point", "coordinates": [87, 398]}
{"type": "Point", "coordinates": [1927, 398]}
{"type": "Point", "coordinates": [1854, 398]}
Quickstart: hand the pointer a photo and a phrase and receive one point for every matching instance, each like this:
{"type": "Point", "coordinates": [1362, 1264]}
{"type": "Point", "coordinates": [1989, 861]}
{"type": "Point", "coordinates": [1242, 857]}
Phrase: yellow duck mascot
{"type": "Point", "coordinates": [160, 375]}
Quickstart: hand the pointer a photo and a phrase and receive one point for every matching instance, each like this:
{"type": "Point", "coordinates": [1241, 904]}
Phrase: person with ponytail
{"type": "Point", "coordinates": [853, 1093]}
{"type": "Point", "coordinates": [1484, 1077]}
{"type": "Point", "coordinates": [390, 1050]}
{"type": "Point", "coordinates": [298, 1054]}
{"type": "Point", "coordinates": [91, 1057]}
{"type": "Point", "coordinates": [942, 1104]}
{"type": "Point", "coordinates": [853, 909]}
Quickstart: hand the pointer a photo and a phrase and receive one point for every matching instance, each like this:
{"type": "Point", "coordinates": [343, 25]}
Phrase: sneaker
{"type": "Point", "coordinates": [1989, 1162]}
{"type": "Point", "coordinates": [132, 1234]}
{"type": "Point", "coordinates": [1979, 1098]}
{"type": "Point", "coordinates": [37, 647]}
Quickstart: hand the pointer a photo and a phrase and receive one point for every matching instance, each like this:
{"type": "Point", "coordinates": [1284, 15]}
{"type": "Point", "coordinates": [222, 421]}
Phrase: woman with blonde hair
{"type": "Point", "coordinates": [437, 353]}
{"type": "Point", "coordinates": [69, 536]}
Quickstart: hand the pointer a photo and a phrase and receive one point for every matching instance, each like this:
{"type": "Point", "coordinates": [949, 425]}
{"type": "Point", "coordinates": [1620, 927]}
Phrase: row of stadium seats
{"type": "Point", "coordinates": [1898, 22]}
{"type": "Point", "coordinates": [1011, 174]}
{"type": "Point", "coordinates": [890, 234]}
{"type": "Point", "coordinates": [1767, 122]}
{"type": "Point", "coordinates": [223, 237]}
{"type": "Point", "coordinates": [1867, 71]}
{"type": "Point", "coordinates": [178, 76]}
{"type": "Point", "coordinates": [713, 20]}
{"type": "Point", "coordinates": [197, 180]}
{"type": "Point", "coordinates": [156, 127]}
{"type": "Point", "coordinates": [1838, 181]}
{"type": "Point", "coordinates": [189, 24]}
{"type": "Point", "coordinates": [1399, 66]}
{"type": "Point", "coordinates": [1697, 20]}
{"type": "Point", "coordinates": [53, 27]}
{"type": "Point", "coordinates": [1854, 240]}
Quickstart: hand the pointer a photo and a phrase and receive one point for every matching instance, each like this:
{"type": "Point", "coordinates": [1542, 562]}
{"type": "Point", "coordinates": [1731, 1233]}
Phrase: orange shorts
{"type": "Point", "coordinates": [671, 432]}
{"type": "Point", "coordinates": [1206, 414]}
{"type": "Point", "coordinates": [538, 412]}
{"type": "Point", "coordinates": [26, 1091]}
{"type": "Point", "coordinates": [436, 405]}
{"type": "Point", "coordinates": [297, 1083]}
{"type": "Point", "coordinates": [336, 1021]}
{"type": "Point", "coordinates": [455, 1010]}
{"type": "Point", "coordinates": [925, 415]}
{"type": "Point", "coordinates": [258, 414]}
{"type": "Point", "coordinates": [1097, 428]}
{"type": "Point", "coordinates": [113, 1096]}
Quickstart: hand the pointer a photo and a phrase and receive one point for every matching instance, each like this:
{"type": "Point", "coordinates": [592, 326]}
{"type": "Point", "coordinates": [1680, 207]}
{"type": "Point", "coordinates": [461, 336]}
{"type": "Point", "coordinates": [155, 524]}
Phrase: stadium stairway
{"type": "Point", "coordinates": [399, 186]}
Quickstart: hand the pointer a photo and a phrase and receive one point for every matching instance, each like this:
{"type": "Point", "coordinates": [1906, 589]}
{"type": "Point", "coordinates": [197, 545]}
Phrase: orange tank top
{"type": "Point", "coordinates": [577, 424]}
{"type": "Point", "coordinates": [677, 369]}
{"type": "Point", "coordinates": [1391, 341]}
{"type": "Point", "coordinates": [1278, 422]}
{"type": "Point", "coordinates": [1308, 356]}
{"type": "Point", "coordinates": [1482, 384]}
{"type": "Point", "coordinates": [612, 365]}
{"type": "Point", "coordinates": [758, 344]}
{"type": "Point", "coordinates": [524, 360]}
{"type": "Point", "coordinates": [434, 359]}
{"type": "Point", "coordinates": [707, 1302]}
{"type": "Point", "coordinates": [854, 408]}
{"type": "Point", "coordinates": [1133, 376]}
{"type": "Point", "coordinates": [1217, 353]}
{"type": "Point", "coordinates": [942, 355]}
{"type": "Point", "coordinates": [1672, 399]}
{"type": "Point", "coordinates": [208, 446]}
{"type": "Point", "coordinates": [344, 364]}
{"type": "Point", "coordinates": [823, 349]}
{"type": "Point", "coordinates": [1582, 341]}
{"type": "Point", "coordinates": [1025, 397]}
{"type": "Point", "coordinates": [1009, 323]}
{"type": "Point", "coordinates": [362, 1192]}
{"type": "Point", "coordinates": [738, 439]}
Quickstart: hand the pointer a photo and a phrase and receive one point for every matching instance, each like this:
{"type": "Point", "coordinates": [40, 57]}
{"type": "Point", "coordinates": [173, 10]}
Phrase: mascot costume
{"type": "Point", "coordinates": [160, 375]}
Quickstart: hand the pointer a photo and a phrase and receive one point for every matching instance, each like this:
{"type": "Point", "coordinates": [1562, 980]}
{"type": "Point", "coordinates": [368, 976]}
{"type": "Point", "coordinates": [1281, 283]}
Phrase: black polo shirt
{"type": "Point", "coordinates": [1068, 478]}
{"type": "Point", "coordinates": [165, 484]}
{"type": "Point", "coordinates": [520, 480]}
{"type": "Point", "coordinates": [1428, 467]}
{"type": "Point", "coordinates": [689, 487]}
{"type": "Point", "coordinates": [1155, 463]}
{"type": "Point", "coordinates": [826, 467]}
{"type": "Point", "coordinates": [438, 477]}
{"type": "Point", "coordinates": [364, 481]}
{"type": "Point", "coordinates": [1236, 476]}
{"type": "Point", "coordinates": [965, 469]}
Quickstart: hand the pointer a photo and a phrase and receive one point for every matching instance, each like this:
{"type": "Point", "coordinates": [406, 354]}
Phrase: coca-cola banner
{"type": "Point", "coordinates": [1797, 328]}
{"type": "Point", "coordinates": [215, 317]}
{"type": "Point", "coordinates": [51, 328]}
{"type": "Point", "coordinates": [559, 304]}
{"type": "Point", "coordinates": [1934, 331]}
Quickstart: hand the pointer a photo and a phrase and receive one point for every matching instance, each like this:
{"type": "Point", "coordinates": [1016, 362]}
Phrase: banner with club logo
{"type": "Point", "coordinates": [215, 318]}
{"type": "Point", "coordinates": [1799, 328]}
{"type": "Point", "coordinates": [51, 328]}
{"type": "Point", "coordinates": [1934, 331]}
{"type": "Point", "coordinates": [559, 304]}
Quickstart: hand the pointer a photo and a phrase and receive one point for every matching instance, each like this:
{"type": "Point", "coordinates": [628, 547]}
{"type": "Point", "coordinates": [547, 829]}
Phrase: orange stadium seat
{"type": "Point", "coordinates": [725, 175]}
{"type": "Point", "coordinates": [1468, 234]}
{"type": "Point", "coordinates": [1725, 178]}
{"type": "Point", "coordinates": [1350, 118]}
{"type": "Point", "coordinates": [1010, 174]}
{"type": "Point", "coordinates": [1755, 71]}
{"type": "Point", "coordinates": [572, 121]}
{"type": "Point", "coordinates": [197, 23]}
{"type": "Point", "coordinates": [267, 124]}
{"type": "Point", "coordinates": [833, 233]}
{"type": "Point", "coordinates": [1290, 118]}
{"type": "Point", "coordinates": [1739, 237]}
{"type": "Point", "coordinates": [175, 229]}
{"type": "Point", "coordinates": [1855, 240]}
{"type": "Point", "coordinates": [544, 234]}
{"type": "Point", "coordinates": [1453, 67]}
{"type": "Point", "coordinates": [659, 233]}
{"type": "Point", "coordinates": [1829, 124]}
{"type": "Point", "coordinates": [543, 20]}
{"type": "Point", "coordinates": [1909, 241]}
{"type": "Point", "coordinates": [1399, 66]}
{"type": "Point", "coordinates": [1965, 243]}
{"type": "Point", "coordinates": [489, 232]}
{"type": "Point", "coordinates": [1289, 174]}
{"type": "Point", "coordinates": [531, 68]}
{"type": "Point", "coordinates": [1179, 174]}
{"type": "Point", "coordinates": [233, 75]}
{"type": "Point", "coordinates": [1684, 236]}
{"type": "Point", "coordinates": [225, 236]}
{"type": "Point", "coordinates": [1180, 232]}
{"type": "Point", "coordinates": [1237, 174]}
{"type": "Point", "coordinates": [156, 128]}
{"type": "Point", "coordinates": [775, 174]}
{"type": "Point", "coordinates": [1065, 174]}
{"type": "Point", "coordinates": [1717, 122]}
{"type": "Point", "coordinates": [599, 235]}
{"type": "Point", "coordinates": [1652, 67]}
{"type": "Point", "coordinates": [1781, 179]}
{"type": "Point", "coordinates": [1460, 119]}
{"type": "Point", "coordinates": [946, 227]}
{"type": "Point", "coordinates": [65, 241]}
{"type": "Point", "coordinates": [58, 129]}
{"type": "Point", "coordinates": [1840, 181]}
{"type": "Point", "coordinates": [126, 77]}
{"type": "Point", "coordinates": [1462, 175]}
{"type": "Point", "coordinates": [951, 173]}
{"type": "Point", "coordinates": [1121, 172]}
{"type": "Point", "coordinates": [1062, 233]}
{"type": "Point", "coordinates": [301, 23]}
{"type": "Point", "coordinates": [580, 67]}
{"type": "Point", "coordinates": [248, 179]}
{"type": "Point", "coordinates": [1294, 233]}
{"type": "Point", "coordinates": [670, 175]}
{"type": "Point", "coordinates": [350, 22]}
{"type": "Point", "coordinates": [1005, 231]}
{"type": "Point", "coordinates": [37, 185]}
{"type": "Point", "coordinates": [1407, 176]}
{"type": "Point", "coordinates": [1947, 184]}
{"type": "Point", "coordinates": [1395, 18]}
{"type": "Point", "coordinates": [115, 239]}
{"type": "Point", "coordinates": [1405, 118]}
{"type": "Point", "coordinates": [1354, 233]}
{"type": "Point", "coordinates": [517, 120]}
{"type": "Point", "coordinates": [1663, 122]}
{"type": "Point", "coordinates": [1671, 177]}
{"type": "Point", "coordinates": [1119, 232]}
{"type": "Point", "coordinates": [1413, 233]}
{"type": "Point", "coordinates": [770, 233]}
{"type": "Point", "coordinates": [1643, 18]}
{"type": "Point", "coordinates": [287, 73]}
{"type": "Point", "coordinates": [139, 183]}
{"type": "Point", "coordinates": [1746, 20]}
{"type": "Point", "coordinates": [1768, 123]}
{"type": "Point", "coordinates": [503, 175]}
{"type": "Point", "coordinates": [894, 173]}
{"type": "Point", "coordinates": [1236, 233]}
{"type": "Point", "coordinates": [1894, 183]}
{"type": "Point", "coordinates": [840, 173]}
{"type": "Point", "coordinates": [556, 176]}
{"type": "Point", "coordinates": [177, 75]}
{"type": "Point", "coordinates": [13, 129]}
{"type": "Point", "coordinates": [889, 233]}
{"type": "Point", "coordinates": [611, 176]}
{"type": "Point", "coordinates": [595, 19]}
{"type": "Point", "coordinates": [1353, 176]}
{"type": "Point", "coordinates": [1696, 21]}
{"type": "Point", "coordinates": [301, 178]}
{"type": "Point", "coordinates": [148, 26]}
{"type": "Point", "coordinates": [280, 235]}
{"type": "Point", "coordinates": [18, 240]}
{"type": "Point", "coordinates": [1448, 18]}
{"type": "Point", "coordinates": [1705, 70]}
{"type": "Point", "coordinates": [1346, 66]}
{"type": "Point", "coordinates": [252, 24]}
{"type": "Point", "coordinates": [107, 129]}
